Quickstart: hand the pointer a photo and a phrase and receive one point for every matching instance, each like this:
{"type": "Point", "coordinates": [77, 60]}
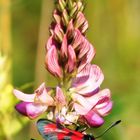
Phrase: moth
{"type": "Point", "coordinates": [52, 131]}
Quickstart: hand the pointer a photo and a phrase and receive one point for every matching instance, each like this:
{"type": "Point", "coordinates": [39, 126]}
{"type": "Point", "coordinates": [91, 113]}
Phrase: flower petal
{"type": "Point", "coordinates": [23, 96]}
{"type": "Point", "coordinates": [60, 96]}
{"type": "Point", "coordinates": [42, 95]}
{"type": "Point", "coordinates": [87, 58]}
{"type": "Point", "coordinates": [81, 105]}
{"type": "Point", "coordinates": [105, 110]}
{"type": "Point", "coordinates": [64, 47]}
{"type": "Point", "coordinates": [21, 107]}
{"type": "Point", "coordinates": [35, 110]}
{"type": "Point", "coordinates": [71, 59]}
{"type": "Point", "coordinates": [52, 62]}
{"type": "Point", "coordinates": [30, 110]}
{"type": "Point", "coordinates": [93, 119]}
{"type": "Point", "coordinates": [88, 80]}
{"type": "Point", "coordinates": [100, 99]}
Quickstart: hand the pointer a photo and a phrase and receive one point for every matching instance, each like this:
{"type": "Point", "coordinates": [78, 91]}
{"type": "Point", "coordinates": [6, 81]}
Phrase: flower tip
{"type": "Point", "coordinates": [21, 108]}
{"type": "Point", "coordinates": [94, 119]}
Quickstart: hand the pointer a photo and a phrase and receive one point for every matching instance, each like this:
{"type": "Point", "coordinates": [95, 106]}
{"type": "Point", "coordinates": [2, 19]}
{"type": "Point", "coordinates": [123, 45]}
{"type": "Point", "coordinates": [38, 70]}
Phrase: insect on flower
{"type": "Point", "coordinates": [55, 131]}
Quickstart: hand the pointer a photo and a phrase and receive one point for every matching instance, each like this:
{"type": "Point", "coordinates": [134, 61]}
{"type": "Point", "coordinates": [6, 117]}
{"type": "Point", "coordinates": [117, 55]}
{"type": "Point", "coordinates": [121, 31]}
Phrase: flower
{"type": "Point", "coordinates": [89, 101]}
{"type": "Point", "coordinates": [35, 104]}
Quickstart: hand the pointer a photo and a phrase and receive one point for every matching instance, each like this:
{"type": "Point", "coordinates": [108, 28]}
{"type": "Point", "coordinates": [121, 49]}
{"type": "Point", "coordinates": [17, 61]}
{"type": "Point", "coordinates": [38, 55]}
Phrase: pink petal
{"type": "Point", "coordinates": [88, 58]}
{"type": "Point", "coordinates": [80, 19]}
{"type": "Point", "coordinates": [93, 119]}
{"type": "Point", "coordinates": [59, 32]}
{"type": "Point", "coordinates": [52, 62]}
{"type": "Point", "coordinates": [21, 107]}
{"type": "Point", "coordinates": [60, 96]}
{"type": "Point", "coordinates": [88, 80]}
{"type": "Point", "coordinates": [99, 99]}
{"type": "Point", "coordinates": [88, 103]}
{"type": "Point", "coordinates": [71, 59]}
{"type": "Point", "coordinates": [64, 46]}
{"type": "Point", "coordinates": [84, 48]}
{"type": "Point", "coordinates": [84, 27]}
{"type": "Point", "coordinates": [35, 110]}
{"type": "Point", "coordinates": [81, 103]}
{"type": "Point", "coordinates": [42, 95]}
{"type": "Point", "coordinates": [105, 110]}
{"type": "Point", "coordinates": [78, 39]}
{"type": "Point", "coordinates": [51, 42]}
{"type": "Point", "coordinates": [23, 96]}
{"type": "Point", "coordinates": [80, 109]}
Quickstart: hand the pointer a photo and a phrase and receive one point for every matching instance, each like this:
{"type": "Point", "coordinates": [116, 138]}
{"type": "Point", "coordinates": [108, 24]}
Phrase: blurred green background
{"type": "Point", "coordinates": [115, 33]}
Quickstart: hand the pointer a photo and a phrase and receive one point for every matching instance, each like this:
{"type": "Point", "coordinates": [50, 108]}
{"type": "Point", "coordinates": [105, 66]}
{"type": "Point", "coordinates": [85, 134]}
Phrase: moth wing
{"type": "Point", "coordinates": [50, 131]}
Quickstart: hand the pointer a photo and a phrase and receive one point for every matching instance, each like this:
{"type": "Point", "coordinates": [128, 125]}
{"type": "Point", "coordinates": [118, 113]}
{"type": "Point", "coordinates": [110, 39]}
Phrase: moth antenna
{"type": "Point", "coordinates": [106, 130]}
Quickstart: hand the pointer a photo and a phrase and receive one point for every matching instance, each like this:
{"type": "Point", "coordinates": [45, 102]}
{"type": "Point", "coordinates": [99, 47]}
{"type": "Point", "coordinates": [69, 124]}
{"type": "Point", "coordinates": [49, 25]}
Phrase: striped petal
{"type": "Point", "coordinates": [93, 119]}
{"type": "Point", "coordinates": [88, 80]}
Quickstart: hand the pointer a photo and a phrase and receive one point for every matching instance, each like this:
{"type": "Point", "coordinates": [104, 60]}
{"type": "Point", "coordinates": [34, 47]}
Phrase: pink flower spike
{"type": "Point", "coordinates": [93, 119]}
{"type": "Point", "coordinates": [71, 59]}
{"type": "Point", "coordinates": [52, 62]}
{"type": "Point", "coordinates": [60, 96]}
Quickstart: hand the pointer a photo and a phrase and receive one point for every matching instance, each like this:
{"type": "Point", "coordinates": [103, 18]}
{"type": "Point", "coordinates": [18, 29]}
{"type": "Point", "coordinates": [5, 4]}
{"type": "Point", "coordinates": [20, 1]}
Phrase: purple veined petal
{"type": "Point", "coordinates": [34, 110]}
{"type": "Point", "coordinates": [81, 103]}
{"type": "Point", "coordinates": [58, 32]}
{"type": "Point", "coordinates": [84, 27]}
{"type": "Point", "coordinates": [78, 39]}
{"type": "Point", "coordinates": [101, 98]}
{"type": "Point", "coordinates": [88, 103]}
{"type": "Point", "coordinates": [64, 47]}
{"type": "Point", "coordinates": [80, 109]}
{"type": "Point", "coordinates": [60, 96]}
{"type": "Point", "coordinates": [51, 42]}
{"type": "Point", "coordinates": [105, 110]}
{"type": "Point", "coordinates": [52, 62]}
{"type": "Point", "coordinates": [84, 48]}
{"type": "Point", "coordinates": [42, 95]}
{"type": "Point", "coordinates": [23, 96]}
{"type": "Point", "coordinates": [71, 59]}
{"type": "Point", "coordinates": [79, 20]}
{"type": "Point", "coordinates": [87, 58]}
{"type": "Point", "coordinates": [93, 119]}
{"type": "Point", "coordinates": [88, 80]}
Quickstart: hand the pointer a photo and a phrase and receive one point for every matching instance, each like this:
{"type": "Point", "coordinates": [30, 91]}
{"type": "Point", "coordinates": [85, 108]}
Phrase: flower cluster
{"type": "Point", "coordinates": [77, 97]}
